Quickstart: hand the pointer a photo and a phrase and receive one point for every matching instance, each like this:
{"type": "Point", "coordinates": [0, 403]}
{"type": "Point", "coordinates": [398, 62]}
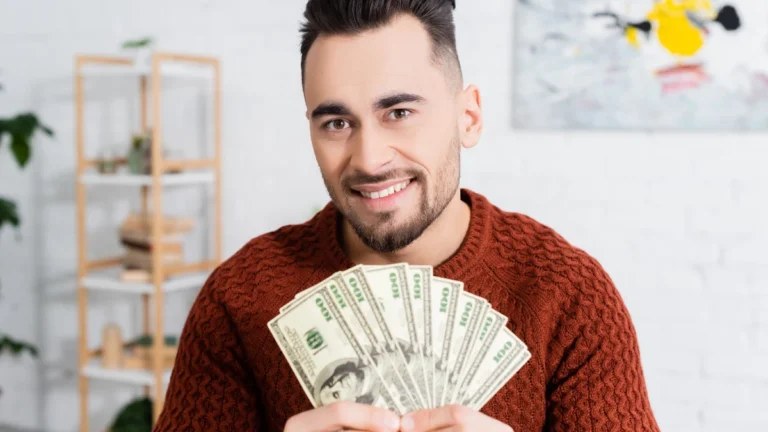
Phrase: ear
{"type": "Point", "coordinates": [470, 116]}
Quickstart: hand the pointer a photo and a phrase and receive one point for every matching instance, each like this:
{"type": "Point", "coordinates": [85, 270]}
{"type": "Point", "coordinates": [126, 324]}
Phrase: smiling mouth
{"type": "Point", "coordinates": [385, 192]}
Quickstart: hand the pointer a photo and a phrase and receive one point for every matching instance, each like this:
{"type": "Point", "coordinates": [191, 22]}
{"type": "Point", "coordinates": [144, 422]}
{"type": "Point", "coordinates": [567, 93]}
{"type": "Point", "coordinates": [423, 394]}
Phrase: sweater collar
{"type": "Point", "coordinates": [328, 223]}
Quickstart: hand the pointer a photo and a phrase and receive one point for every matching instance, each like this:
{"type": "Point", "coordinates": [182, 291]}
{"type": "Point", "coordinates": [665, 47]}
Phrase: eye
{"type": "Point", "coordinates": [336, 124]}
{"type": "Point", "coordinates": [399, 114]}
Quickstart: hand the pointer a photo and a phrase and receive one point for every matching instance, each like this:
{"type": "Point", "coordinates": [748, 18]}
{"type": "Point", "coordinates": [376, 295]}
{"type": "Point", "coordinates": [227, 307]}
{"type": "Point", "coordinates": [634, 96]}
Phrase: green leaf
{"type": "Point", "coordinates": [136, 416]}
{"type": "Point", "coordinates": [24, 124]}
{"type": "Point", "coordinates": [137, 43]}
{"type": "Point", "coordinates": [21, 149]}
{"type": "Point", "coordinates": [17, 347]}
{"type": "Point", "coordinates": [48, 131]}
{"type": "Point", "coordinates": [8, 213]}
{"type": "Point", "coordinates": [21, 129]}
{"type": "Point", "coordinates": [146, 340]}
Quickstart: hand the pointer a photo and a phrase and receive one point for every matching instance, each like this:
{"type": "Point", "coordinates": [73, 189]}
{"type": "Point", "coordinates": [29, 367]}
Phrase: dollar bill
{"type": "Point", "coordinates": [389, 283]}
{"type": "Point", "coordinates": [300, 294]}
{"type": "Point", "coordinates": [419, 281]}
{"type": "Point", "coordinates": [469, 325]}
{"type": "Point", "coordinates": [353, 315]}
{"type": "Point", "coordinates": [383, 360]}
{"type": "Point", "coordinates": [521, 357]}
{"type": "Point", "coordinates": [469, 310]}
{"type": "Point", "coordinates": [491, 324]}
{"type": "Point", "coordinates": [420, 278]}
{"type": "Point", "coordinates": [367, 305]}
{"type": "Point", "coordinates": [325, 355]}
{"type": "Point", "coordinates": [445, 298]}
{"type": "Point", "coordinates": [495, 368]}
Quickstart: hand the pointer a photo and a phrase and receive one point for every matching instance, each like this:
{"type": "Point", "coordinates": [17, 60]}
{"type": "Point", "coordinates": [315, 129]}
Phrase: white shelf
{"type": "Point", "coordinates": [127, 376]}
{"type": "Point", "coordinates": [121, 179]}
{"type": "Point", "coordinates": [167, 69]}
{"type": "Point", "coordinates": [114, 284]}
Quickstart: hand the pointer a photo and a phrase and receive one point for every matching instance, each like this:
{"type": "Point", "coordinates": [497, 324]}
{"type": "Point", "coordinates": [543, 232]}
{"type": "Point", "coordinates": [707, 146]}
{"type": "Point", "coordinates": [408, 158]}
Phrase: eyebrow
{"type": "Point", "coordinates": [397, 98]}
{"type": "Point", "coordinates": [338, 108]}
{"type": "Point", "coordinates": [330, 108]}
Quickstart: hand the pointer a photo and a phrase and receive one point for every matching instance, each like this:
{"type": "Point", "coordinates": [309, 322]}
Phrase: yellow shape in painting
{"type": "Point", "coordinates": [675, 31]}
{"type": "Point", "coordinates": [632, 37]}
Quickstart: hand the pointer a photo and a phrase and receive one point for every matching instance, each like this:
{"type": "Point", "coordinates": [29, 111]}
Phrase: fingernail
{"type": "Point", "coordinates": [406, 423]}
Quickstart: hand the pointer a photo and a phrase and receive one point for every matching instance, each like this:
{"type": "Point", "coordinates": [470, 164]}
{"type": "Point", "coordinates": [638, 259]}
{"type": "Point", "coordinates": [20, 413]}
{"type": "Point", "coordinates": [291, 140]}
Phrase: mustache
{"type": "Point", "coordinates": [363, 178]}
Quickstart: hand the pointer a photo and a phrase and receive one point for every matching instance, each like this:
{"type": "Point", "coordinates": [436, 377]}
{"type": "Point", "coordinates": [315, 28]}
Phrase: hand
{"type": "Point", "coordinates": [346, 416]}
{"type": "Point", "coordinates": [451, 418]}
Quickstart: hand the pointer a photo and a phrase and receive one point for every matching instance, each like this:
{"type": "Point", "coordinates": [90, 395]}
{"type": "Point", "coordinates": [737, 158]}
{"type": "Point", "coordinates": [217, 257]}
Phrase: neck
{"type": "Point", "coordinates": [436, 245]}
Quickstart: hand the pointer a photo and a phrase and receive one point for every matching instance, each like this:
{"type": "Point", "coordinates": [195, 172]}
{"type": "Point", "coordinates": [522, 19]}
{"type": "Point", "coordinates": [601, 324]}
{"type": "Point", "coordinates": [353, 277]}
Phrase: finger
{"type": "Point", "coordinates": [450, 418]}
{"type": "Point", "coordinates": [435, 419]}
{"type": "Point", "coordinates": [461, 428]}
{"type": "Point", "coordinates": [345, 415]}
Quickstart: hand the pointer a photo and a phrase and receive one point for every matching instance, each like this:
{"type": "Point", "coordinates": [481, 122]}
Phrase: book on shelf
{"type": "Point", "coordinates": [140, 245]}
{"type": "Point", "coordinates": [147, 246]}
{"type": "Point", "coordinates": [141, 260]}
{"type": "Point", "coordinates": [144, 237]}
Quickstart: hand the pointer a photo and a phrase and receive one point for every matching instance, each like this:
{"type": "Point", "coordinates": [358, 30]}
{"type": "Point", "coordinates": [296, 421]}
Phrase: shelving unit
{"type": "Point", "coordinates": [147, 180]}
{"type": "Point", "coordinates": [128, 376]}
{"type": "Point", "coordinates": [99, 274]}
{"type": "Point", "coordinates": [185, 282]}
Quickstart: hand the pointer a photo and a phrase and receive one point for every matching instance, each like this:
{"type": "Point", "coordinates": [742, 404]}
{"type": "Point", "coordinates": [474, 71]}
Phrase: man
{"type": "Point", "coordinates": [388, 115]}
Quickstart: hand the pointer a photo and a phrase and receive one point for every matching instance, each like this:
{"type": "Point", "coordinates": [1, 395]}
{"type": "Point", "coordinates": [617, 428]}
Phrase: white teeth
{"type": "Point", "coordinates": [386, 192]}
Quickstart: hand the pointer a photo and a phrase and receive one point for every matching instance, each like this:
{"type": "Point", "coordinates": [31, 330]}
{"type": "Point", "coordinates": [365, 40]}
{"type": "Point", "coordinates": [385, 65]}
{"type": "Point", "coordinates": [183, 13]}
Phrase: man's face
{"type": "Point", "coordinates": [383, 120]}
{"type": "Point", "coordinates": [345, 387]}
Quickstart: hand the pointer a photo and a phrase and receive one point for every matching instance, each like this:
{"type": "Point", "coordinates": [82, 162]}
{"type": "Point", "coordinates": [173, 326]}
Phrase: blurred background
{"type": "Point", "coordinates": [651, 160]}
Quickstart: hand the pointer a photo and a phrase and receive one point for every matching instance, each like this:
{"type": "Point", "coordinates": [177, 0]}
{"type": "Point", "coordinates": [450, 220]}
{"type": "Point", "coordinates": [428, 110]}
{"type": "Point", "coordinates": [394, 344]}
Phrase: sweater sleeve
{"type": "Point", "coordinates": [211, 387]}
{"type": "Point", "coordinates": [598, 382]}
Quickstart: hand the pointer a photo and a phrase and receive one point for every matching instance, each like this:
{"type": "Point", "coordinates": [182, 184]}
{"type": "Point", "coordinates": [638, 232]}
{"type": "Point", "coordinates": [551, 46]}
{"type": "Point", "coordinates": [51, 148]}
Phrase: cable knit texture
{"type": "Point", "coordinates": [584, 375]}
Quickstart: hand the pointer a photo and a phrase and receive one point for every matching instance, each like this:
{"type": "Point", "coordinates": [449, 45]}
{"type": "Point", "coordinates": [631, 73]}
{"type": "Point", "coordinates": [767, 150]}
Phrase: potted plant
{"type": "Point", "coordinates": [16, 132]}
{"type": "Point", "coordinates": [142, 50]}
{"type": "Point", "coordinates": [136, 416]}
{"type": "Point", "coordinates": [138, 154]}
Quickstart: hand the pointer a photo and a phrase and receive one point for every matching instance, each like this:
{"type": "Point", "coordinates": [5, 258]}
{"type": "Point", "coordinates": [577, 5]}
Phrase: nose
{"type": "Point", "coordinates": [371, 150]}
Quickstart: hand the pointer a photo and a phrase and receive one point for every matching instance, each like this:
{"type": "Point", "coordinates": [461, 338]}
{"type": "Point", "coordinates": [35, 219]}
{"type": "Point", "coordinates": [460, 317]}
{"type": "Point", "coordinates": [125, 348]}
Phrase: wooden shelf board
{"type": "Point", "coordinates": [114, 284]}
{"type": "Point", "coordinates": [170, 70]}
{"type": "Point", "coordinates": [120, 179]}
{"type": "Point", "coordinates": [94, 370]}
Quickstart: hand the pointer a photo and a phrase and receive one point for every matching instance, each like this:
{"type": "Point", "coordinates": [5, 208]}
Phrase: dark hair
{"type": "Point", "coordinates": [349, 17]}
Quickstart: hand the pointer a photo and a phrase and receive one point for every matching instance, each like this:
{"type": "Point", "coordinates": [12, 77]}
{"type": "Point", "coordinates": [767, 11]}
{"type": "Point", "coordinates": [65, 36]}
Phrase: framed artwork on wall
{"type": "Point", "coordinates": [641, 64]}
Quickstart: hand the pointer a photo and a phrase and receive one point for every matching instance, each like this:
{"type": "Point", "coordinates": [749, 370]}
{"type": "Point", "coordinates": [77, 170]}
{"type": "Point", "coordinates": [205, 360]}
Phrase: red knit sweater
{"type": "Point", "coordinates": [584, 374]}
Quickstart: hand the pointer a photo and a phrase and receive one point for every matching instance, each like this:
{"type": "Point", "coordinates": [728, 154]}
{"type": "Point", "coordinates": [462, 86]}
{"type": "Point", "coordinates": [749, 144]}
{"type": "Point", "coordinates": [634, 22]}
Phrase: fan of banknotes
{"type": "Point", "coordinates": [397, 337]}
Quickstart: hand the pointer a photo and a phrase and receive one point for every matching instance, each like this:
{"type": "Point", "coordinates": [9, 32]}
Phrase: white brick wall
{"type": "Point", "coordinates": [678, 219]}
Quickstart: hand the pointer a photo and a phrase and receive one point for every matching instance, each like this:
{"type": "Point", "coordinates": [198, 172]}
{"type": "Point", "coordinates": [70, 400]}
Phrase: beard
{"type": "Point", "coordinates": [383, 235]}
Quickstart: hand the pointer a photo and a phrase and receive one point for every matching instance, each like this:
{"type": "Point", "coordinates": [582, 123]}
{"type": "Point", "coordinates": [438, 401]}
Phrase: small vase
{"type": "Point", "coordinates": [136, 161]}
{"type": "Point", "coordinates": [136, 156]}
